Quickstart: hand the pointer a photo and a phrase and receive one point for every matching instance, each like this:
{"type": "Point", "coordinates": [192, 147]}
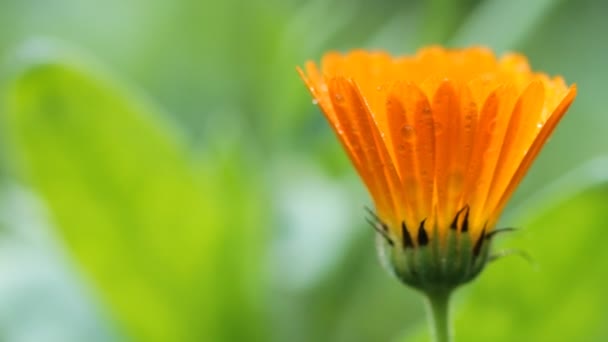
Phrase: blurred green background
{"type": "Point", "coordinates": [165, 177]}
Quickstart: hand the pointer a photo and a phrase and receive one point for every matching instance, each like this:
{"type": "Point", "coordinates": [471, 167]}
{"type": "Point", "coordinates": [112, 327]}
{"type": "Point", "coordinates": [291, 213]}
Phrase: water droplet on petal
{"type": "Point", "coordinates": [339, 97]}
{"type": "Point", "coordinates": [315, 102]}
{"type": "Point", "coordinates": [407, 132]}
{"type": "Point", "coordinates": [492, 126]}
{"type": "Point", "coordinates": [438, 128]}
{"type": "Point", "coordinates": [539, 125]}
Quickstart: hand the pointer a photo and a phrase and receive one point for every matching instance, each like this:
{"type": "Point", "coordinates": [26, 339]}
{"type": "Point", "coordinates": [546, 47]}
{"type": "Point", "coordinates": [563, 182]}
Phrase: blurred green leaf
{"type": "Point", "coordinates": [559, 298]}
{"type": "Point", "coordinates": [559, 295]}
{"type": "Point", "coordinates": [578, 63]}
{"type": "Point", "coordinates": [149, 232]}
{"type": "Point", "coordinates": [502, 24]}
{"type": "Point", "coordinates": [357, 301]}
{"type": "Point", "coordinates": [442, 18]}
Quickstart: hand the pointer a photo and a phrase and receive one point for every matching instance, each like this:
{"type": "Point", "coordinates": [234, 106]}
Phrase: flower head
{"type": "Point", "coordinates": [441, 140]}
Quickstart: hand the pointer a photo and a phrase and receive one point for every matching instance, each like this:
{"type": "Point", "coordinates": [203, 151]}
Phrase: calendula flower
{"type": "Point", "coordinates": [441, 140]}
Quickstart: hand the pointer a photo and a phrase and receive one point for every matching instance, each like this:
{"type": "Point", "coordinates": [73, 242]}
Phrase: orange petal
{"type": "Point", "coordinates": [447, 114]}
{"type": "Point", "coordinates": [534, 150]}
{"type": "Point", "coordinates": [314, 83]}
{"type": "Point", "coordinates": [366, 142]}
{"type": "Point", "coordinates": [411, 130]}
{"type": "Point", "coordinates": [519, 136]}
{"type": "Point", "coordinates": [473, 194]}
{"type": "Point", "coordinates": [496, 126]}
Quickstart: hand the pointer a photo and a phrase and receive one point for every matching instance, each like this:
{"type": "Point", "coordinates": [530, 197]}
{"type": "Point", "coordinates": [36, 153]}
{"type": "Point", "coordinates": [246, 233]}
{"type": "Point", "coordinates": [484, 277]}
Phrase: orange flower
{"type": "Point", "coordinates": [441, 139]}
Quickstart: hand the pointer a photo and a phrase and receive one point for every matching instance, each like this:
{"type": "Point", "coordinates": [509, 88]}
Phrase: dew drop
{"type": "Point", "coordinates": [492, 126]}
{"type": "Point", "coordinates": [407, 132]}
{"type": "Point", "coordinates": [438, 128]}
{"type": "Point", "coordinates": [315, 102]}
{"type": "Point", "coordinates": [539, 125]}
{"type": "Point", "coordinates": [339, 97]}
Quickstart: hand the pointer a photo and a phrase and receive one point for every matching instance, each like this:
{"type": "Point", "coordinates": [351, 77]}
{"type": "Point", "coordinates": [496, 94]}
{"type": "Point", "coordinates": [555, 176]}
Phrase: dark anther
{"type": "Point", "coordinates": [465, 222]}
{"type": "Point", "coordinates": [378, 220]}
{"type": "Point", "coordinates": [423, 238]}
{"type": "Point", "coordinates": [498, 231]}
{"type": "Point", "coordinates": [479, 242]}
{"type": "Point", "coordinates": [454, 224]}
{"type": "Point", "coordinates": [377, 227]}
{"type": "Point", "coordinates": [407, 239]}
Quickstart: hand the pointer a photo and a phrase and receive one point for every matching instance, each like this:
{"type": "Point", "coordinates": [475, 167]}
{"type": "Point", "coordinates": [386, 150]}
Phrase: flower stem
{"type": "Point", "coordinates": [438, 309]}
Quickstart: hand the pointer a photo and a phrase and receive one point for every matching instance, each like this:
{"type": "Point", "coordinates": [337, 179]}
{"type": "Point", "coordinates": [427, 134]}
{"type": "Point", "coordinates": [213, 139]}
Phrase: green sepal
{"type": "Point", "coordinates": [439, 265]}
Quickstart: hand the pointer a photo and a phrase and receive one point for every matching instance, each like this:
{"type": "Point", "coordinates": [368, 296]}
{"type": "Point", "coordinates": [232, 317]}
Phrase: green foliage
{"type": "Point", "coordinates": [561, 296]}
{"type": "Point", "coordinates": [555, 292]}
{"type": "Point", "coordinates": [505, 31]}
{"type": "Point", "coordinates": [146, 226]}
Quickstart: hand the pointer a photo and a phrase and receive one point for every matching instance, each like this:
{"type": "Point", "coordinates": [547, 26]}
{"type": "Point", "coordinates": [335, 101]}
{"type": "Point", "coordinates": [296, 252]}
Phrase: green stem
{"type": "Point", "coordinates": [438, 309]}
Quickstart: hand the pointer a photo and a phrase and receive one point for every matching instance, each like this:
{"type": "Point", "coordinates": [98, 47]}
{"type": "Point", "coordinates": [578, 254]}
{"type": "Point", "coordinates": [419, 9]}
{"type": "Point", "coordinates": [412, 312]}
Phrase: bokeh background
{"type": "Point", "coordinates": [165, 177]}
